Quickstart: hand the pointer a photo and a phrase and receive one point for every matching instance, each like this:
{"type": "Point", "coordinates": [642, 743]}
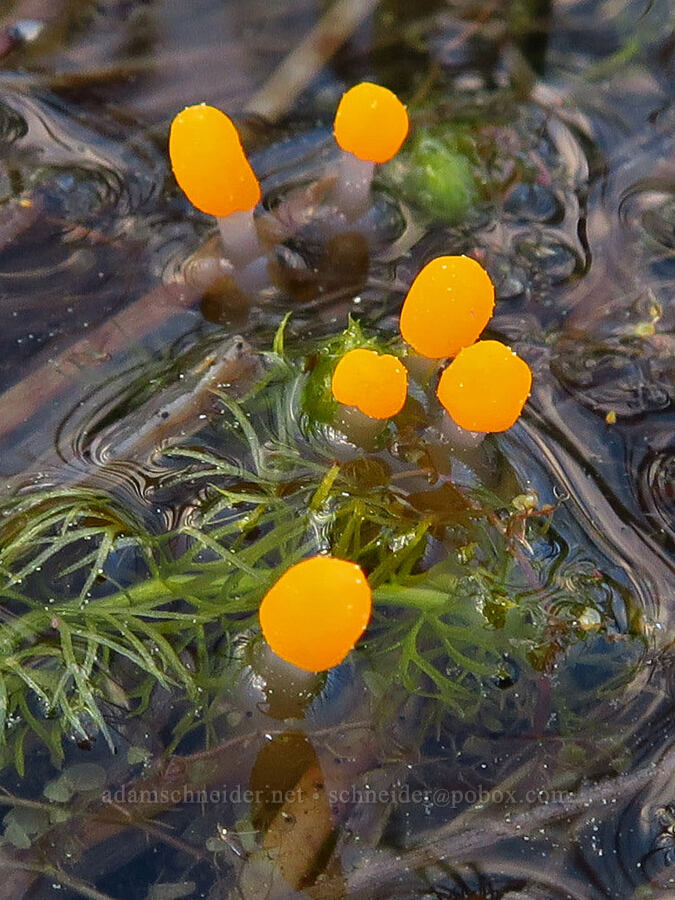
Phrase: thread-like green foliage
{"type": "Point", "coordinates": [96, 609]}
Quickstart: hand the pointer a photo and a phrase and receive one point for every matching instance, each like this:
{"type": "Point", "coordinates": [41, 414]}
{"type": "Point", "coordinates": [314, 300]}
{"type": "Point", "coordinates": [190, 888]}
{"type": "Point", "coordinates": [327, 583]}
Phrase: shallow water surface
{"type": "Point", "coordinates": [523, 747]}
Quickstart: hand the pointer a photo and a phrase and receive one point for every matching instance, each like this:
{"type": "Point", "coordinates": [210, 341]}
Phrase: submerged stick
{"type": "Point", "coordinates": [167, 418]}
{"type": "Point", "coordinates": [460, 840]}
{"type": "Point", "coordinates": [305, 62]}
{"type": "Point", "coordinates": [21, 401]}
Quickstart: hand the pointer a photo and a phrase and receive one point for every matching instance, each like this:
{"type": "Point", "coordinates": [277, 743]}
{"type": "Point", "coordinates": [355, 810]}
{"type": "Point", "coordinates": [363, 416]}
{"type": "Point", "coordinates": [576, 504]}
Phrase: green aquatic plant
{"type": "Point", "coordinates": [318, 401]}
{"type": "Point", "coordinates": [97, 609]}
{"type": "Point", "coordinates": [437, 172]}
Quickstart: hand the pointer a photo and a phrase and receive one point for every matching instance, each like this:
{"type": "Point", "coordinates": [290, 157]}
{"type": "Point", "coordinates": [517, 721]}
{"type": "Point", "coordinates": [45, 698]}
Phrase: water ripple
{"type": "Point", "coordinates": [128, 170]}
{"type": "Point", "coordinates": [606, 523]}
{"type": "Point", "coordinates": [12, 125]}
{"type": "Point", "coordinates": [656, 488]}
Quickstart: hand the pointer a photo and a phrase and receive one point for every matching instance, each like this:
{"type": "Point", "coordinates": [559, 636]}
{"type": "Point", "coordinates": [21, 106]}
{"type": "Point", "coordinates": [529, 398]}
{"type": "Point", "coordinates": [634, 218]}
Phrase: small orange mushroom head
{"type": "Point", "coordinates": [448, 305]}
{"type": "Point", "coordinates": [316, 612]}
{"type": "Point", "coordinates": [209, 162]}
{"type": "Point", "coordinates": [376, 384]}
{"type": "Point", "coordinates": [371, 122]}
{"type": "Point", "coordinates": [485, 387]}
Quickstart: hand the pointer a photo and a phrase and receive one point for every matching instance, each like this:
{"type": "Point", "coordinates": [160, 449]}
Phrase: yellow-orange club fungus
{"type": "Point", "coordinates": [376, 384]}
{"type": "Point", "coordinates": [211, 167]}
{"type": "Point", "coordinates": [447, 307]}
{"type": "Point", "coordinates": [209, 162]}
{"type": "Point", "coordinates": [485, 387]}
{"type": "Point", "coordinates": [316, 612]}
{"type": "Point", "coordinates": [370, 125]}
{"type": "Point", "coordinates": [371, 122]}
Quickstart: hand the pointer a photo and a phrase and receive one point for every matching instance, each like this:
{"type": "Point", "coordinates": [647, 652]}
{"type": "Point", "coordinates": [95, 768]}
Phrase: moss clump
{"type": "Point", "coordinates": [435, 172]}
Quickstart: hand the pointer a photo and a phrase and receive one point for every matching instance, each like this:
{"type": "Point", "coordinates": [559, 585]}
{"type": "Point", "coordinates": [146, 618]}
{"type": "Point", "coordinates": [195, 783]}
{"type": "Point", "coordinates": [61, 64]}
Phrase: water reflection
{"type": "Point", "coordinates": [574, 220]}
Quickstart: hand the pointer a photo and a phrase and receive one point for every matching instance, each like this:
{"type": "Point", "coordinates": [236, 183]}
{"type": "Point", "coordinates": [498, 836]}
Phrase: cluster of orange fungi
{"type": "Point", "coordinates": [211, 167]}
{"type": "Point", "coordinates": [447, 307]}
{"type": "Point", "coordinates": [319, 608]}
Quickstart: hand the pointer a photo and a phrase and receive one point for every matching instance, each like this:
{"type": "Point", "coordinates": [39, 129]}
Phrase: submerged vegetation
{"type": "Point", "coordinates": [517, 661]}
{"type": "Point", "coordinates": [98, 609]}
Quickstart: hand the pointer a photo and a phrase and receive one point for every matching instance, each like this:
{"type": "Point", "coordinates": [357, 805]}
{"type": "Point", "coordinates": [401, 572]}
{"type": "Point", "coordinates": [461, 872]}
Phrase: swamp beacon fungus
{"type": "Point", "coordinates": [447, 307]}
{"type": "Point", "coordinates": [316, 612]}
{"type": "Point", "coordinates": [211, 168]}
{"type": "Point", "coordinates": [485, 387]}
{"type": "Point", "coordinates": [370, 126]}
{"type": "Point", "coordinates": [376, 384]}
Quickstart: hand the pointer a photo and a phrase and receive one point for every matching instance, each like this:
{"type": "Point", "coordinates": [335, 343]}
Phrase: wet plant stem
{"type": "Point", "coordinates": [20, 402]}
{"type": "Point", "coordinates": [34, 871]}
{"type": "Point", "coordinates": [307, 60]}
{"type": "Point", "coordinates": [7, 799]}
{"type": "Point", "coordinates": [416, 598]}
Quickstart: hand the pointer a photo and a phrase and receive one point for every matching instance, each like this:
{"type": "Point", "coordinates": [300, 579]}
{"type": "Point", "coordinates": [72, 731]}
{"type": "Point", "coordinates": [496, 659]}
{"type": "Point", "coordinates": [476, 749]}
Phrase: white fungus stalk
{"type": "Point", "coordinates": [351, 194]}
{"type": "Point", "coordinates": [211, 167]}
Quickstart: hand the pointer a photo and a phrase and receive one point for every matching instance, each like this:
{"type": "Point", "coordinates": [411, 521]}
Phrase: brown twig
{"type": "Point", "coordinates": [304, 63]}
{"type": "Point", "coordinates": [20, 402]}
{"type": "Point", "coordinates": [18, 875]}
{"type": "Point", "coordinates": [80, 887]}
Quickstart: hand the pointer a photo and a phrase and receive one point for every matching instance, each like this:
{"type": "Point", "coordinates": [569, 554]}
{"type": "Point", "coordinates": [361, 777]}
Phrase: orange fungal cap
{"type": "Point", "coordinates": [316, 612]}
{"type": "Point", "coordinates": [209, 162]}
{"type": "Point", "coordinates": [371, 122]}
{"type": "Point", "coordinates": [485, 387]}
{"type": "Point", "coordinates": [376, 384]}
{"type": "Point", "coordinates": [447, 307]}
